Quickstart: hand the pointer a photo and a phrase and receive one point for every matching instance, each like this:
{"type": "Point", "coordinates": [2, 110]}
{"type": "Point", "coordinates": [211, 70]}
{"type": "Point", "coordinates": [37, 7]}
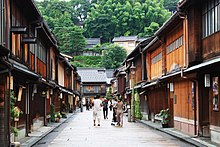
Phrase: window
{"type": "Point", "coordinates": [16, 45]}
{"type": "Point", "coordinates": [175, 44]}
{"type": "Point", "coordinates": [41, 53]}
{"type": "Point", "coordinates": [32, 48]}
{"type": "Point", "coordinates": [131, 44]}
{"type": "Point", "coordinates": [26, 53]}
{"type": "Point", "coordinates": [121, 44]}
{"type": "Point", "coordinates": [96, 89]}
{"type": "Point", "coordinates": [156, 58]}
{"type": "Point", "coordinates": [210, 17]}
{"type": "Point", "coordinates": [1, 22]}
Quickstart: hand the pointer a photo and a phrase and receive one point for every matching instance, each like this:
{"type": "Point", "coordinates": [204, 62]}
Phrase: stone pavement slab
{"type": "Point", "coordinates": [197, 141]}
{"type": "Point", "coordinates": [80, 132]}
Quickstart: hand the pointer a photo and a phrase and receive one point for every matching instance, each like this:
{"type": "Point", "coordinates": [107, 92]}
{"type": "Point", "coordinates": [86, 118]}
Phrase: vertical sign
{"type": "Point", "coordinates": [207, 80]}
{"type": "Point", "coordinates": [215, 93]}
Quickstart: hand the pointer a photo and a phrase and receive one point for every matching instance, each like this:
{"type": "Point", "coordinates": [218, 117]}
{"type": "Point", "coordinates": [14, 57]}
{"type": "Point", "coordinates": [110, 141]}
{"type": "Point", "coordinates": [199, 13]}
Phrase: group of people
{"type": "Point", "coordinates": [117, 110]}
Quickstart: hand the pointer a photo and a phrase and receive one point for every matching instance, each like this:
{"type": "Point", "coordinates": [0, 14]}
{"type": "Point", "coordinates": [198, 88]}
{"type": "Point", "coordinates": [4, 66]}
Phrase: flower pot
{"type": "Point", "coordinates": [165, 125]}
{"type": "Point", "coordinates": [16, 118]}
{"type": "Point", "coordinates": [57, 120]}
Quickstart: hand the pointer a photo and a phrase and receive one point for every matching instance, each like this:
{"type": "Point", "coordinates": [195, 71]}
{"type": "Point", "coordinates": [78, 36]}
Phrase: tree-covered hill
{"type": "Point", "coordinates": [74, 20]}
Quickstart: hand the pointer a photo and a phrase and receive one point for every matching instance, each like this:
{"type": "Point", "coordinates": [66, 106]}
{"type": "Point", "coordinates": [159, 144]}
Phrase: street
{"type": "Point", "coordinates": [78, 131]}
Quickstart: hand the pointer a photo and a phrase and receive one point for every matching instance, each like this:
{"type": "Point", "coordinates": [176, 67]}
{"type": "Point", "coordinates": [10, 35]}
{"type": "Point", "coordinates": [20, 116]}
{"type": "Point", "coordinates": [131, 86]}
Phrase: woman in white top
{"type": "Point", "coordinates": [97, 104]}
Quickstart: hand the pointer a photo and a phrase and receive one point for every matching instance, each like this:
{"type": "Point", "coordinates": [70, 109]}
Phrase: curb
{"type": "Point", "coordinates": [188, 139]}
{"type": "Point", "coordinates": [37, 139]}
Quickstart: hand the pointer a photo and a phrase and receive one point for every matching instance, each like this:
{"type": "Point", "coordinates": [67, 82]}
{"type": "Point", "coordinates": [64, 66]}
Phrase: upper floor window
{"type": "Point", "coordinates": [131, 44]}
{"type": "Point", "coordinates": [96, 89]}
{"type": "Point", "coordinates": [16, 45]}
{"type": "Point", "coordinates": [41, 53]}
{"type": "Point", "coordinates": [156, 58]}
{"type": "Point", "coordinates": [32, 48]}
{"type": "Point", "coordinates": [175, 44]}
{"type": "Point", "coordinates": [210, 17]}
{"type": "Point", "coordinates": [121, 44]}
{"type": "Point", "coordinates": [1, 22]}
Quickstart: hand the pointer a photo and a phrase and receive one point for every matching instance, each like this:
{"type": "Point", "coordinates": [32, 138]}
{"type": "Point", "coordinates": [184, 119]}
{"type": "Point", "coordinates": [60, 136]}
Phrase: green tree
{"type": "Point", "coordinates": [138, 114]}
{"type": "Point", "coordinates": [70, 39]}
{"type": "Point", "coordinates": [62, 18]}
{"type": "Point", "coordinates": [170, 5]}
{"type": "Point", "coordinates": [113, 56]}
{"type": "Point", "coordinates": [109, 18]}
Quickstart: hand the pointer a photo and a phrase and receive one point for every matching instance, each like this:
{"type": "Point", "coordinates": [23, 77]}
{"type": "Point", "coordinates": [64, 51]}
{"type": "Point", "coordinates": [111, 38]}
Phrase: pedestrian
{"type": "Point", "coordinates": [105, 108]}
{"type": "Point", "coordinates": [97, 104]}
{"type": "Point", "coordinates": [87, 104]}
{"type": "Point", "coordinates": [110, 105]}
{"type": "Point", "coordinates": [120, 112]}
{"type": "Point", "coordinates": [114, 118]}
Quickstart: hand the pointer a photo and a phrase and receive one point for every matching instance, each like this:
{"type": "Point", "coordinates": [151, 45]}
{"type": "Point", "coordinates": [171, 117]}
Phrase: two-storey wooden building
{"type": "Point", "coordinates": [182, 69]}
{"type": "Point", "coordinates": [93, 82]}
{"type": "Point", "coordinates": [203, 23]}
{"type": "Point", "coordinates": [29, 63]}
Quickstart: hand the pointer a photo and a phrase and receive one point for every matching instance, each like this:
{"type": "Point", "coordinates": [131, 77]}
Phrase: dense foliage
{"type": "Point", "coordinates": [107, 18]}
{"type": "Point", "coordinates": [87, 61]}
{"type": "Point", "coordinates": [61, 18]}
{"type": "Point", "coordinates": [110, 18]}
{"type": "Point", "coordinates": [112, 56]}
{"type": "Point", "coordinates": [102, 18]}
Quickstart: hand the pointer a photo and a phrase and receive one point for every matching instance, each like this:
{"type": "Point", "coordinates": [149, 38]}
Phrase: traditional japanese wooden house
{"type": "Point", "coordinates": [119, 82]}
{"type": "Point", "coordinates": [180, 90]}
{"type": "Point", "coordinates": [155, 93]}
{"type": "Point", "coordinates": [65, 82]}
{"type": "Point", "coordinates": [203, 21]}
{"type": "Point", "coordinates": [137, 59]}
{"type": "Point", "coordinates": [93, 82]}
{"type": "Point", "coordinates": [29, 70]}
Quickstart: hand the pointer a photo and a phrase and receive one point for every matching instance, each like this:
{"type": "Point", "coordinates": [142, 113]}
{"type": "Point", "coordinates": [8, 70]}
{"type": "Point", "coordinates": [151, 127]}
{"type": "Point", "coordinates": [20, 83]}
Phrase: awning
{"type": "Point", "coordinates": [170, 75]}
{"type": "Point", "coordinates": [128, 92]}
{"type": "Point", "coordinates": [19, 30]}
{"type": "Point", "coordinates": [22, 68]}
{"type": "Point", "coordinates": [202, 65]}
{"type": "Point", "coordinates": [137, 86]}
{"type": "Point", "coordinates": [29, 40]}
{"type": "Point", "coordinates": [150, 84]}
{"type": "Point", "coordinates": [142, 92]}
{"type": "Point", "coordinates": [3, 51]}
{"type": "Point", "coordinates": [65, 91]}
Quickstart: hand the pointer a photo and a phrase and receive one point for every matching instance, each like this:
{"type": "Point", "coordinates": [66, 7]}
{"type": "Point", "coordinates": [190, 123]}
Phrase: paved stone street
{"type": "Point", "coordinates": [79, 131]}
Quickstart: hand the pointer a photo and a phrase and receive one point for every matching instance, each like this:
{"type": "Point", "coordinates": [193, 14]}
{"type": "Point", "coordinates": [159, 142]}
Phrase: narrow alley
{"type": "Point", "coordinates": [78, 131]}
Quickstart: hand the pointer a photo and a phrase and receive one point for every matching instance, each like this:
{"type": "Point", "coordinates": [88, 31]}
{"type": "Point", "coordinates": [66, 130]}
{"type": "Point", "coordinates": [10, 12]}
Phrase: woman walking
{"type": "Point", "coordinates": [120, 112]}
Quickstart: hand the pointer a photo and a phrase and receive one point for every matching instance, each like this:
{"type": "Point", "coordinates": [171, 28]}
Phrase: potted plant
{"type": "Point", "coordinates": [58, 117]}
{"type": "Point", "coordinates": [164, 115]}
{"type": "Point", "coordinates": [16, 113]}
{"type": "Point", "coordinates": [63, 114]}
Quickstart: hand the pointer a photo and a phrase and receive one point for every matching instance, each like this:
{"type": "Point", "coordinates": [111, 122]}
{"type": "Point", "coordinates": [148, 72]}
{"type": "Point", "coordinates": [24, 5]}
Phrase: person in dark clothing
{"type": "Point", "coordinates": [111, 105]}
{"type": "Point", "coordinates": [114, 118]}
{"type": "Point", "coordinates": [87, 104]}
{"type": "Point", "coordinates": [105, 108]}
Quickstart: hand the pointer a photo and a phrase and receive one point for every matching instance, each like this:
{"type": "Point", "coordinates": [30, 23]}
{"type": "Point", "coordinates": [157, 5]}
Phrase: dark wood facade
{"type": "Point", "coordinates": [180, 69]}
{"type": "Point", "coordinates": [28, 67]}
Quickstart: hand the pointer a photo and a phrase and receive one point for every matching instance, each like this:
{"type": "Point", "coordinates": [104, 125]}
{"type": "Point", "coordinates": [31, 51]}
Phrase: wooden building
{"type": "Point", "coordinates": [65, 82]}
{"type": "Point", "coordinates": [93, 82]}
{"type": "Point", "coordinates": [203, 23]}
{"type": "Point", "coordinates": [182, 69]}
{"type": "Point", "coordinates": [29, 69]}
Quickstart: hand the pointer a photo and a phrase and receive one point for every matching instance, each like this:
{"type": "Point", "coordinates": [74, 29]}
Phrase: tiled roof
{"type": "Point", "coordinates": [92, 74]}
{"type": "Point", "coordinates": [109, 73]}
{"type": "Point", "coordinates": [93, 41]}
{"type": "Point", "coordinates": [125, 38]}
